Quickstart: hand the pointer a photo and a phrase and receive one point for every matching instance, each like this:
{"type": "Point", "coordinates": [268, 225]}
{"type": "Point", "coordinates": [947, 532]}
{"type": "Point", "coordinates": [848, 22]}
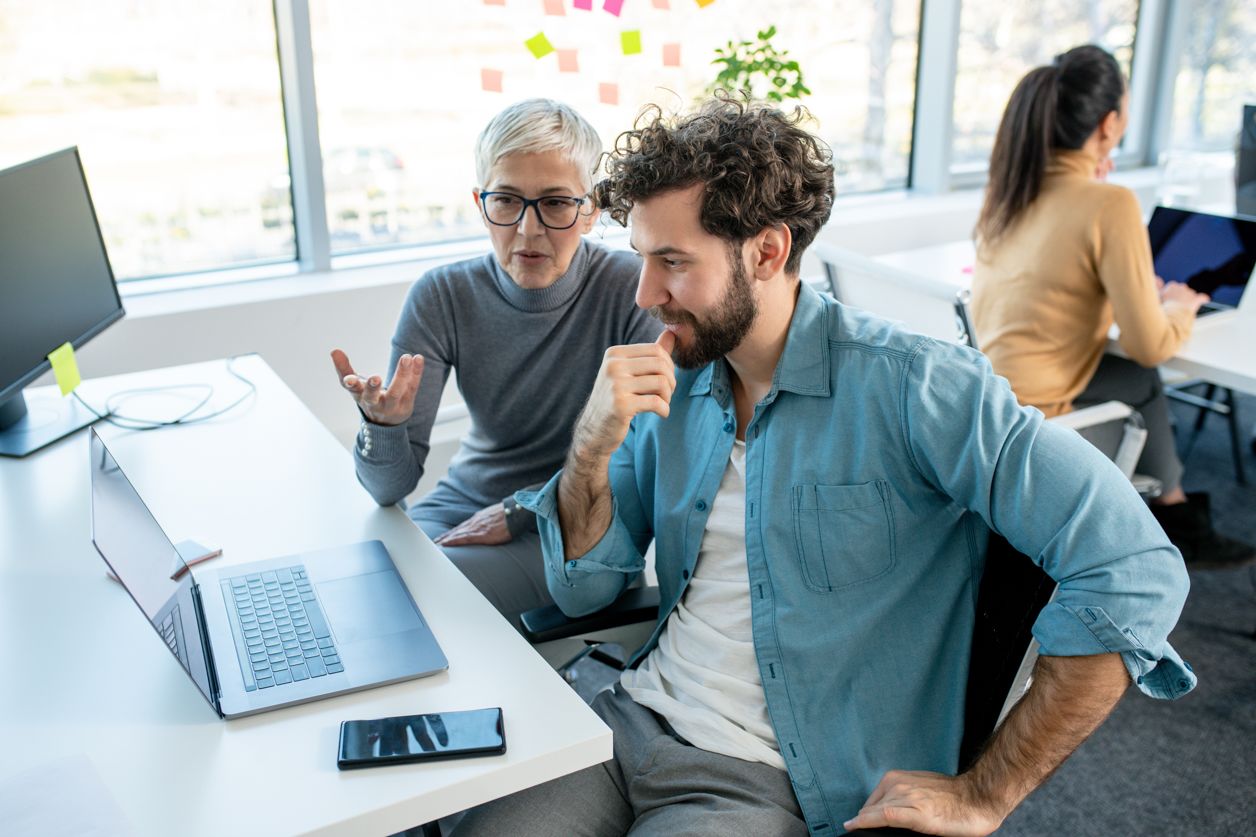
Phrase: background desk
{"type": "Point", "coordinates": [81, 671]}
{"type": "Point", "coordinates": [1222, 353]}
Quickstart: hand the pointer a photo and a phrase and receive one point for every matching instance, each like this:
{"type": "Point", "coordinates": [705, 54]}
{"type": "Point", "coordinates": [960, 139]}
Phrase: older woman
{"type": "Point", "coordinates": [525, 327]}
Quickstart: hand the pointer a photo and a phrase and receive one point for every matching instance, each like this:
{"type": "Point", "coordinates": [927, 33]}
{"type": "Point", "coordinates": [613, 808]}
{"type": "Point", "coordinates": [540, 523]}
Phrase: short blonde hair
{"type": "Point", "coordinates": [535, 126]}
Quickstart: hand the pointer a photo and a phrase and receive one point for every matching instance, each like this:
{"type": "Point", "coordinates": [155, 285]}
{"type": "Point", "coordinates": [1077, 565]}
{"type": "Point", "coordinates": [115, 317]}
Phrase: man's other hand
{"type": "Point", "coordinates": [487, 526]}
{"type": "Point", "coordinates": [928, 803]}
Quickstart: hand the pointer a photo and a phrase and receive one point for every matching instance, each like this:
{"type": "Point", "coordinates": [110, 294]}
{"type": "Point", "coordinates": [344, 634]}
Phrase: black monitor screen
{"type": "Point", "coordinates": [1213, 254]}
{"type": "Point", "coordinates": [55, 281]}
{"type": "Point", "coordinates": [1245, 169]}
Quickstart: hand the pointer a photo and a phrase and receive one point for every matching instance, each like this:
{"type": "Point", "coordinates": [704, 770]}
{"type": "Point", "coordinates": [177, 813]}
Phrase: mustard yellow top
{"type": "Point", "coordinates": [1046, 292]}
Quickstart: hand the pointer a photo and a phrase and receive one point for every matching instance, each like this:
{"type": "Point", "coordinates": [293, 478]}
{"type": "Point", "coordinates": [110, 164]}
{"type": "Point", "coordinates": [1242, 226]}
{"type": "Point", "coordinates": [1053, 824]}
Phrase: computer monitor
{"type": "Point", "coordinates": [1245, 166]}
{"type": "Point", "coordinates": [56, 286]}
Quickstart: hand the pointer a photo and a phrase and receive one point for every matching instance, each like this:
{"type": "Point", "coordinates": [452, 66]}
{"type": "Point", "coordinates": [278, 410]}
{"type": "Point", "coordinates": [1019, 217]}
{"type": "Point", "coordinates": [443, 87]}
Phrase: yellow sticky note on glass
{"type": "Point", "coordinates": [65, 368]}
{"type": "Point", "coordinates": [539, 45]}
{"type": "Point", "coordinates": [630, 41]}
{"type": "Point", "coordinates": [702, 4]}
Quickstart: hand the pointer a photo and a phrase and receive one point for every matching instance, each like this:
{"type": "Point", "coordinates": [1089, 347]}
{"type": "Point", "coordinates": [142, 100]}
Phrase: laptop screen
{"type": "Point", "coordinates": [1213, 254]}
{"type": "Point", "coordinates": [134, 546]}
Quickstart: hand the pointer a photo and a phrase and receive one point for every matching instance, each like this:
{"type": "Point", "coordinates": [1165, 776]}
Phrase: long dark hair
{"type": "Point", "coordinates": [1054, 107]}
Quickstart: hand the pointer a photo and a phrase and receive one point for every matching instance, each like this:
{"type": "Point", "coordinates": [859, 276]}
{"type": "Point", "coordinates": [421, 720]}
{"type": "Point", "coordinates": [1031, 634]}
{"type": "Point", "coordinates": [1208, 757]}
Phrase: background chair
{"type": "Point", "coordinates": [1208, 403]}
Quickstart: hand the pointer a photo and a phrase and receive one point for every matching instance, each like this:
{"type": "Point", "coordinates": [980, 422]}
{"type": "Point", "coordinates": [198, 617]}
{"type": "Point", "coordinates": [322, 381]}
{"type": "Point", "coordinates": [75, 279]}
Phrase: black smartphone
{"type": "Point", "coordinates": [406, 738]}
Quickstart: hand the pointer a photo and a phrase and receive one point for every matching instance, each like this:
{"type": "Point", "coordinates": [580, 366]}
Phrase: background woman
{"type": "Point", "coordinates": [1061, 255]}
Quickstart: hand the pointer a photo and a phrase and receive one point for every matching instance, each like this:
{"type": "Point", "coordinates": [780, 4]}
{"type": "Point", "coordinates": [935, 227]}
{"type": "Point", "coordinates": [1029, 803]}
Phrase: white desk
{"type": "Point", "coordinates": [1221, 352]}
{"type": "Point", "coordinates": [83, 673]}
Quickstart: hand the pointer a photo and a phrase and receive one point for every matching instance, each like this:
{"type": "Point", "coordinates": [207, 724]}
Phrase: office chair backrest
{"type": "Point", "coordinates": [923, 303]}
{"type": "Point", "coordinates": [1013, 591]}
{"type": "Point", "coordinates": [965, 334]}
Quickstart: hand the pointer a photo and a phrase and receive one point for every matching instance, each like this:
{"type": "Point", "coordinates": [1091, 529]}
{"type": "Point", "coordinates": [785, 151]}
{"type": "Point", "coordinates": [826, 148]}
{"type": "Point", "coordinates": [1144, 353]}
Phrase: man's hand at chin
{"type": "Point", "coordinates": [928, 803]}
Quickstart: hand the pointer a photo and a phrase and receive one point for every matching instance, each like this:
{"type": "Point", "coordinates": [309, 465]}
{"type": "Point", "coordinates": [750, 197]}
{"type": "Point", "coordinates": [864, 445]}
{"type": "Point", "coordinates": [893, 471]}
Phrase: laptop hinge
{"type": "Point", "coordinates": [201, 626]}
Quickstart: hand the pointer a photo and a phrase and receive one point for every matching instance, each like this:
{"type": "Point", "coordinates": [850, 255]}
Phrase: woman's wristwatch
{"type": "Point", "coordinates": [515, 516]}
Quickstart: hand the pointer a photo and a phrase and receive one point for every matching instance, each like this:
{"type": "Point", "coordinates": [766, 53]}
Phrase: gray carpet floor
{"type": "Point", "coordinates": [1171, 768]}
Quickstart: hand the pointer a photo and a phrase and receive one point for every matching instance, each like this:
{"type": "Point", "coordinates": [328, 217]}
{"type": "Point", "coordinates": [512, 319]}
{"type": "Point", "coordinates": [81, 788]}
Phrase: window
{"type": "Point", "coordinates": [404, 89]}
{"type": "Point", "coordinates": [175, 107]}
{"type": "Point", "coordinates": [1000, 41]}
{"type": "Point", "coordinates": [1217, 75]}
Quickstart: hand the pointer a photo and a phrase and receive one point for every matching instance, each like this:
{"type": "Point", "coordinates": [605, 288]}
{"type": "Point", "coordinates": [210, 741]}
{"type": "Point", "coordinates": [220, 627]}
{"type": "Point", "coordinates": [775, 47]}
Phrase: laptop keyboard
{"type": "Point", "coordinates": [280, 633]}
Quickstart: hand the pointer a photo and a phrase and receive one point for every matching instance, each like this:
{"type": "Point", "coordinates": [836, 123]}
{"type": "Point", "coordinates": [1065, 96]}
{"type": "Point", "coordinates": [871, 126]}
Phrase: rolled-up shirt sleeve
{"type": "Point", "coordinates": [1058, 500]}
{"type": "Point", "coordinates": [596, 579]}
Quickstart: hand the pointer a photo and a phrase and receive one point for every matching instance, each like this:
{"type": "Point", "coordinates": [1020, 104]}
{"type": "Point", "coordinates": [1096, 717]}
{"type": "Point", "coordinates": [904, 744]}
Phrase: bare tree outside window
{"type": "Point", "coordinates": [176, 110]}
{"type": "Point", "coordinates": [1000, 41]}
{"type": "Point", "coordinates": [1217, 75]}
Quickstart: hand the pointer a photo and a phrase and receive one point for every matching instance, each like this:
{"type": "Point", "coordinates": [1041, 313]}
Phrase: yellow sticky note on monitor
{"type": "Point", "coordinates": [630, 41]}
{"type": "Point", "coordinates": [702, 4]}
{"type": "Point", "coordinates": [539, 45]}
{"type": "Point", "coordinates": [65, 368]}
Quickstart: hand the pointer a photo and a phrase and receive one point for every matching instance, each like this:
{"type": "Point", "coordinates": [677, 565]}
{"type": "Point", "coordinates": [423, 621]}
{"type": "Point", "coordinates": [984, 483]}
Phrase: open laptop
{"type": "Point", "coordinates": [1214, 254]}
{"type": "Point", "coordinates": [258, 636]}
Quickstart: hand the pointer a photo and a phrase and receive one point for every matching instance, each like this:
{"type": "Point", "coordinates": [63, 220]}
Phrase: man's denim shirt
{"type": "Point", "coordinates": [874, 466]}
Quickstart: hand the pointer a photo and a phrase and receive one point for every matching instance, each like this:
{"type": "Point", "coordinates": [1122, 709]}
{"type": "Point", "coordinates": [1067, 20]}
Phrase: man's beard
{"type": "Point", "coordinates": [724, 329]}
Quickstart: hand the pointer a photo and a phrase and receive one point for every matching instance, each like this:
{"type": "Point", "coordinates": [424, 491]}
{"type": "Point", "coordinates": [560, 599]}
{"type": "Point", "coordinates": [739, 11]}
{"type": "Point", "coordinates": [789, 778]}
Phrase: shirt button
{"type": "Point", "coordinates": [729, 427]}
{"type": "Point", "coordinates": [684, 574]}
{"type": "Point", "coordinates": [571, 565]}
{"type": "Point", "coordinates": [700, 505]}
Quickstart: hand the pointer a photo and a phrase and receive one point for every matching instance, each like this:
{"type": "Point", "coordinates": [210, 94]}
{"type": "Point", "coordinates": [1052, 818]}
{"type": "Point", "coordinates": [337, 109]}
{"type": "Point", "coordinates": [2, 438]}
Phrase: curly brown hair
{"type": "Point", "coordinates": [760, 168]}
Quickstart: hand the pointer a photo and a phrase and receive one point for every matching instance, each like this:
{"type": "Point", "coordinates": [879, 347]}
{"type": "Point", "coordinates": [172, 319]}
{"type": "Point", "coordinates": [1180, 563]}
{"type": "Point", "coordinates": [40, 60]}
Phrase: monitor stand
{"type": "Point", "coordinates": [26, 427]}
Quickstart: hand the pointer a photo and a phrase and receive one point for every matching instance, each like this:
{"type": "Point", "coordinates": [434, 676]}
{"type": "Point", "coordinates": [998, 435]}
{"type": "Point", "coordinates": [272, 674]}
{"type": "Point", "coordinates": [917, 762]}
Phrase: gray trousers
{"type": "Point", "coordinates": [1119, 379]}
{"type": "Point", "coordinates": [656, 784]}
{"type": "Point", "coordinates": [510, 575]}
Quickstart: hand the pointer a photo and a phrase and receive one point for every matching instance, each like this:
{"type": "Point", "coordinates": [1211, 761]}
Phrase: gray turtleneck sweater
{"type": "Point", "coordinates": [525, 360]}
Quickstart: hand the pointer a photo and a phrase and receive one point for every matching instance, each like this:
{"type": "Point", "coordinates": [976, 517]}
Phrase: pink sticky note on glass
{"type": "Point", "coordinates": [586, 5]}
{"type": "Point", "coordinates": [662, 4]}
{"type": "Point", "coordinates": [555, 8]}
{"type": "Point", "coordinates": [568, 61]}
{"type": "Point", "coordinates": [613, 6]}
{"type": "Point", "coordinates": [494, 2]}
{"type": "Point", "coordinates": [491, 80]}
{"type": "Point", "coordinates": [671, 55]}
{"type": "Point", "coordinates": [608, 93]}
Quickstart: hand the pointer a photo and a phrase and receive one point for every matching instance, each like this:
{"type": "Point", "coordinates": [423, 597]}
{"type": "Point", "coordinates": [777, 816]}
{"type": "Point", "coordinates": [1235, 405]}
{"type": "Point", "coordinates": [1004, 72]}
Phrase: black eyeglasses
{"type": "Point", "coordinates": [558, 212]}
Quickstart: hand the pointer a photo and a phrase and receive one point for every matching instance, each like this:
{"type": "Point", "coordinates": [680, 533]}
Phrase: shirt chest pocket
{"type": "Point", "coordinates": [844, 534]}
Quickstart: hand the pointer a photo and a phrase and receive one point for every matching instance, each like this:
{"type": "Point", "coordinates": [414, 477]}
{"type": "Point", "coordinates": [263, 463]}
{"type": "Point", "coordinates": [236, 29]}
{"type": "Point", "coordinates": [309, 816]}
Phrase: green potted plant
{"type": "Point", "coordinates": [758, 70]}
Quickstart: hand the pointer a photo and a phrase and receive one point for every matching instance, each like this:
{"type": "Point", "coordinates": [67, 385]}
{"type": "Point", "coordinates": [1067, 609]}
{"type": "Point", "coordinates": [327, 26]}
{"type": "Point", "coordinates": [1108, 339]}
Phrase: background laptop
{"type": "Point", "coordinates": [272, 633]}
{"type": "Point", "coordinates": [1213, 254]}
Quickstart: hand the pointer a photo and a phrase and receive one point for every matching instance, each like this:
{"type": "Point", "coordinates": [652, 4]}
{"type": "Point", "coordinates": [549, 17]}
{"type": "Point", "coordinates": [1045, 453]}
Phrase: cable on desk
{"type": "Point", "coordinates": [126, 422]}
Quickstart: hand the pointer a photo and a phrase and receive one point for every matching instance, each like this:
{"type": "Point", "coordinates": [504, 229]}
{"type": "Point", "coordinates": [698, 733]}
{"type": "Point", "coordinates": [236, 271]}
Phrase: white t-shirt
{"type": "Point", "coordinates": [703, 676]}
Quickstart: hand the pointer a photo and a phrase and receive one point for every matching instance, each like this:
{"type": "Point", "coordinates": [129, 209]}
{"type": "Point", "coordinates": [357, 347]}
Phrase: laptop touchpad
{"type": "Point", "coordinates": [366, 606]}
